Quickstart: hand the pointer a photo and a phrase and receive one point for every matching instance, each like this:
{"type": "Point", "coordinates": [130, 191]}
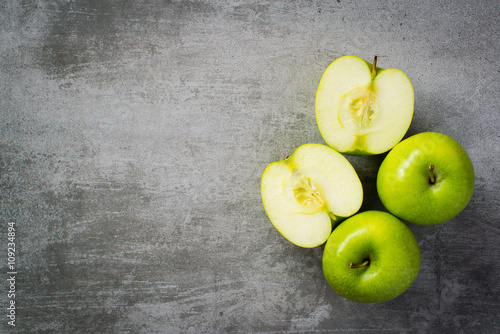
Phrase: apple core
{"type": "Point", "coordinates": [357, 110]}
{"type": "Point", "coordinates": [307, 194]}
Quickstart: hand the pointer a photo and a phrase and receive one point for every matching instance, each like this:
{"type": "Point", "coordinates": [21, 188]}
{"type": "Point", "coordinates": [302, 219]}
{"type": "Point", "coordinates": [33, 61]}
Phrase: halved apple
{"type": "Point", "coordinates": [303, 193]}
{"type": "Point", "coordinates": [362, 109]}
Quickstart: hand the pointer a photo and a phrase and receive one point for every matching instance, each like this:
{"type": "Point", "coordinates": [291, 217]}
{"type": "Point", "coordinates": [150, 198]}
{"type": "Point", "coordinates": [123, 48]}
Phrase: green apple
{"type": "Point", "coordinates": [371, 257]}
{"type": "Point", "coordinates": [304, 192]}
{"type": "Point", "coordinates": [362, 109]}
{"type": "Point", "coordinates": [426, 179]}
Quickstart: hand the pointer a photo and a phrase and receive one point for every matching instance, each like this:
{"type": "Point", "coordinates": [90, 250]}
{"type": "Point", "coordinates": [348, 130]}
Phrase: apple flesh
{"type": "Point", "coordinates": [371, 257]}
{"type": "Point", "coordinates": [362, 109]}
{"type": "Point", "coordinates": [426, 179]}
{"type": "Point", "coordinates": [303, 193]}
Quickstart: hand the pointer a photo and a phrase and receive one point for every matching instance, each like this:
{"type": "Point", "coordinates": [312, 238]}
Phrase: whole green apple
{"type": "Point", "coordinates": [426, 179]}
{"type": "Point", "coordinates": [371, 257]}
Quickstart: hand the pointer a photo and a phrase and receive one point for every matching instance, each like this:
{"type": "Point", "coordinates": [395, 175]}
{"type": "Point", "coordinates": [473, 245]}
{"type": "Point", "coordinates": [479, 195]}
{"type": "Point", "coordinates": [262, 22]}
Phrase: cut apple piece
{"type": "Point", "coordinates": [362, 109]}
{"type": "Point", "coordinates": [303, 193]}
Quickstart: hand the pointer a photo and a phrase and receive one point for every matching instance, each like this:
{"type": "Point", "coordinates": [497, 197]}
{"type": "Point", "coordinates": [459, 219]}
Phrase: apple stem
{"type": "Point", "coordinates": [432, 177]}
{"type": "Point", "coordinates": [374, 66]}
{"type": "Point", "coordinates": [359, 265]}
{"type": "Point", "coordinates": [332, 216]}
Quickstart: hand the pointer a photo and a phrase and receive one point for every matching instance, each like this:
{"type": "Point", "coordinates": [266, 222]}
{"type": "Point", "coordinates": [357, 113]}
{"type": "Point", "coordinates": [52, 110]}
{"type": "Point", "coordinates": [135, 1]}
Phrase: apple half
{"type": "Point", "coordinates": [362, 109]}
{"type": "Point", "coordinates": [303, 193]}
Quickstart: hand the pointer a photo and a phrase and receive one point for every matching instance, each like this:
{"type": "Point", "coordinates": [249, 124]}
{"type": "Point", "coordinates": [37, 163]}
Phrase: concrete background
{"type": "Point", "coordinates": [133, 136]}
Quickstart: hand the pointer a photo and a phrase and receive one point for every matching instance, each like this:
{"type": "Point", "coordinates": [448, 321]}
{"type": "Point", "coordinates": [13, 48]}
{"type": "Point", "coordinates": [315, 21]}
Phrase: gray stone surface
{"type": "Point", "coordinates": [133, 136]}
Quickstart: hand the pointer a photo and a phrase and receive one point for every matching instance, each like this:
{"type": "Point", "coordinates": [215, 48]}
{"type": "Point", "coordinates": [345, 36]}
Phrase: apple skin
{"type": "Point", "coordinates": [388, 244]}
{"type": "Point", "coordinates": [403, 181]}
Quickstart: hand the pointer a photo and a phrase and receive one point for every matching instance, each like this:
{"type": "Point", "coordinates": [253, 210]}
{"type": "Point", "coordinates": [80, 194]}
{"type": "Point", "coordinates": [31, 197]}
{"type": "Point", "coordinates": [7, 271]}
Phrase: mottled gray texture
{"type": "Point", "coordinates": [133, 136]}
